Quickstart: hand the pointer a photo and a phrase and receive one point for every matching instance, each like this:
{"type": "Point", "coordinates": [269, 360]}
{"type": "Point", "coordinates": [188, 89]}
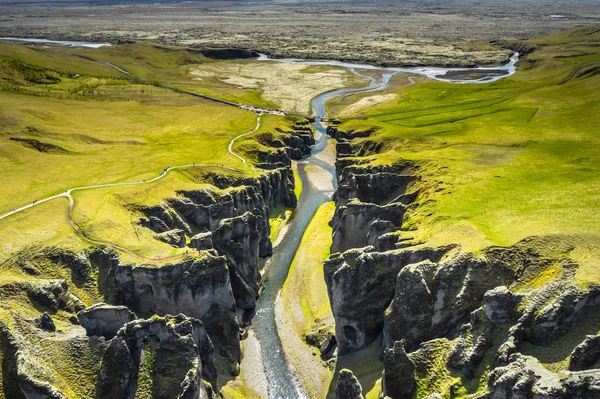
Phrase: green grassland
{"type": "Point", "coordinates": [68, 120]}
{"type": "Point", "coordinates": [506, 160]}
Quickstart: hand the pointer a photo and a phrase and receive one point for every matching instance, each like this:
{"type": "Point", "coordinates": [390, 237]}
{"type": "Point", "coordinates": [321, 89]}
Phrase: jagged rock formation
{"type": "Point", "coordinates": [348, 386]}
{"type": "Point", "coordinates": [162, 357]}
{"type": "Point", "coordinates": [444, 312]}
{"type": "Point", "coordinates": [360, 285]}
{"type": "Point", "coordinates": [433, 300]}
{"type": "Point", "coordinates": [104, 320]}
{"type": "Point", "coordinates": [473, 341]}
{"type": "Point", "coordinates": [283, 148]}
{"type": "Point", "coordinates": [586, 354]}
{"type": "Point", "coordinates": [47, 354]}
{"type": "Point", "coordinates": [358, 224]}
{"type": "Point", "coordinates": [399, 375]}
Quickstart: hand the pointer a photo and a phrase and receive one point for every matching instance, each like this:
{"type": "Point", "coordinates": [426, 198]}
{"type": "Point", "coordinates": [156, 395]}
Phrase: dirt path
{"type": "Point", "coordinates": [164, 173]}
{"type": "Point", "coordinates": [230, 146]}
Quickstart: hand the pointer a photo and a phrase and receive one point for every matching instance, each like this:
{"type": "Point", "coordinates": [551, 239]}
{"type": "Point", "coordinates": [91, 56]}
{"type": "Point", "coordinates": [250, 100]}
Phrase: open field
{"type": "Point", "coordinates": [504, 161]}
{"type": "Point", "coordinates": [278, 82]}
{"type": "Point", "coordinates": [433, 32]}
{"type": "Point", "coordinates": [78, 122]}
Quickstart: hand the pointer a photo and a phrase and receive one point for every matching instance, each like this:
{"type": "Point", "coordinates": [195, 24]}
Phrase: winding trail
{"type": "Point", "coordinates": [164, 173]}
{"type": "Point", "coordinates": [230, 146]}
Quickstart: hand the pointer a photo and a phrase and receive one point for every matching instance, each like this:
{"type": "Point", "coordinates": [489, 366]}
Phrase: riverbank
{"type": "Point", "coordinates": [303, 306]}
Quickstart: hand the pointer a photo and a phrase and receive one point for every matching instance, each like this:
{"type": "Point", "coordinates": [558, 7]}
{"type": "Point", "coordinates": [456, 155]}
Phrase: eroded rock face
{"type": "Point", "coordinates": [434, 300]}
{"type": "Point", "coordinates": [500, 304]}
{"type": "Point", "coordinates": [348, 386]}
{"type": "Point", "coordinates": [194, 286]}
{"type": "Point", "coordinates": [361, 285]}
{"type": "Point", "coordinates": [172, 354]}
{"type": "Point", "coordinates": [357, 224]}
{"type": "Point", "coordinates": [586, 354]}
{"type": "Point", "coordinates": [104, 320]}
{"type": "Point", "coordinates": [243, 239]}
{"type": "Point", "coordinates": [374, 184]}
{"type": "Point", "coordinates": [399, 373]}
{"type": "Point", "coordinates": [198, 288]}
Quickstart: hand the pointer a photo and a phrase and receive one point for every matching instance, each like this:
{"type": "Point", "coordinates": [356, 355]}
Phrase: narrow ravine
{"type": "Point", "coordinates": [282, 383]}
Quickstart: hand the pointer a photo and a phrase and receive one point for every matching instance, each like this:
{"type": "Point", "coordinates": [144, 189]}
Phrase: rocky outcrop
{"type": "Point", "coordinates": [501, 304]}
{"type": "Point", "coordinates": [51, 295]}
{"type": "Point", "coordinates": [234, 223]}
{"type": "Point", "coordinates": [553, 310]}
{"type": "Point", "coordinates": [469, 349]}
{"type": "Point", "coordinates": [284, 146]}
{"type": "Point", "coordinates": [586, 354]}
{"type": "Point", "coordinates": [399, 373]}
{"type": "Point", "coordinates": [175, 238]}
{"type": "Point", "coordinates": [243, 239]}
{"type": "Point", "coordinates": [434, 300]}
{"type": "Point", "coordinates": [348, 386]}
{"type": "Point", "coordinates": [162, 357]}
{"type": "Point", "coordinates": [374, 184]}
{"type": "Point", "coordinates": [197, 287]}
{"type": "Point", "coordinates": [525, 377]}
{"type": "Point", "coordinates": [104, 320]}
{"type": "Point", "coordinates": [45, 322]}
{"type": "Point", "coordinates": [358, 224]}
{"type": "Point", "coordinates": [361, 285]}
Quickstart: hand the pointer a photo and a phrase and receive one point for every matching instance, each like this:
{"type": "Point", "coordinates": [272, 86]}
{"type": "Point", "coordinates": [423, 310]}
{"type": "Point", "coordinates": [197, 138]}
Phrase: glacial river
{"type": "Point", "coordinates": [281, 382]}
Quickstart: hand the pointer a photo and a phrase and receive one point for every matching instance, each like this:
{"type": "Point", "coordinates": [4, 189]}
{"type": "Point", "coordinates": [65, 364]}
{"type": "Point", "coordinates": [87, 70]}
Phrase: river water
{"type": "Point", "coordinates": [281, 382]}
{"type": "Point", "coordinates": [55, 42]}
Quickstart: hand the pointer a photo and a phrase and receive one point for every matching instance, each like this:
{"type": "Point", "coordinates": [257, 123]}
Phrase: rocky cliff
{"type": "Point", "coordinates": [490, 318]}
{"type": "Point", "coordinates": [88, 324]}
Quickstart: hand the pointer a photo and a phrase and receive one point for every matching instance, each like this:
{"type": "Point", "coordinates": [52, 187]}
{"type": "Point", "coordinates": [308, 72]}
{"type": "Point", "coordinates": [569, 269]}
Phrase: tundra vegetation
{"type": "Point", "coordinates": [502, 178]}
{"type": "Point", "coordinates": [459, 255]}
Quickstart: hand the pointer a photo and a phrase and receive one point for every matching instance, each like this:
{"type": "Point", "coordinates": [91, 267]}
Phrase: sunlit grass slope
{"type": "Point", "coordinates": [59, 131]}
{"type": "Point", "coordinates": [506, 160]}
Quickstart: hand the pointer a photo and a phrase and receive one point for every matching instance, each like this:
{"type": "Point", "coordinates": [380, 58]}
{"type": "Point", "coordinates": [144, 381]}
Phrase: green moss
{"type": "Point", "coordinates": [145, 381]}
{"type": "Point", "coordinates": [277, 220]}
{"type": "Point", "coordinates": [432, 373]}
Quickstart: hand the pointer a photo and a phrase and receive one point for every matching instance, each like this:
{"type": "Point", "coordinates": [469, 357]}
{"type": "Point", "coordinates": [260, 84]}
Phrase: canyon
{"type": "Point", "coordinates": [441, 316]}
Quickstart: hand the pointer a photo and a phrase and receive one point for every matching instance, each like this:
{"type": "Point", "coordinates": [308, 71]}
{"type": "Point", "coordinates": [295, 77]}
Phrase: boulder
{"type": "Point", "coordinates": [104, 320]}
{"type": "Point", "coordinates": [45, 322]}
{"type": "Point", "coordinates": [348, 386]}
{"type": "Point", "coordinates": [399, 379]}
{"type": "Point", "coordinates": [586, 354]}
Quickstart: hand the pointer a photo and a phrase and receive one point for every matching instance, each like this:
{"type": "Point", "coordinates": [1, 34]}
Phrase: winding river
{"type": "Point", "coordinates": [281, 381]}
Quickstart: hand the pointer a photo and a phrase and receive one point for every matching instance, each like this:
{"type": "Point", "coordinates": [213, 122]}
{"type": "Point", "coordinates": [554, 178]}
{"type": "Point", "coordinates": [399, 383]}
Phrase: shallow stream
{"type": "Point", "coordinates": [281, 381]}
